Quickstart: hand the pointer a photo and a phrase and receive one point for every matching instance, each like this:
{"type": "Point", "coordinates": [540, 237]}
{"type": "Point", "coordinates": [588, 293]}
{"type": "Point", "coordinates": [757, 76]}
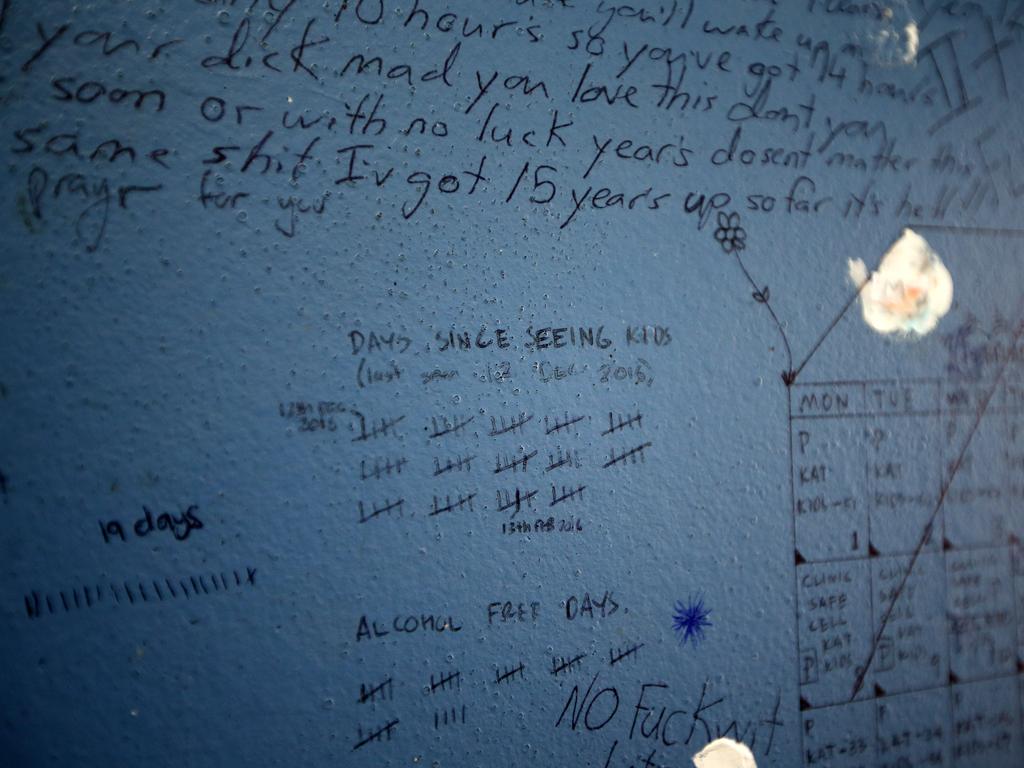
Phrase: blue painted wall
{"type": "Point", "coordinates": [260, 495]}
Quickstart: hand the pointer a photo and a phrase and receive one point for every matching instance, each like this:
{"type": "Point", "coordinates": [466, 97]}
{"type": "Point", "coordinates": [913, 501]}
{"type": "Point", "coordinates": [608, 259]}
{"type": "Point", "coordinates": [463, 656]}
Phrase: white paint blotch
{"type": "Point", "coordinates": [912, 44]}
{"type": "Point", "coordinates": [891, 37]}
{"type": "Point", "coordinates": [911, 290]}
{"type": "Point", "coordinates": [894, 47]}
{"type": "Point", "coordinates": [725, 753]}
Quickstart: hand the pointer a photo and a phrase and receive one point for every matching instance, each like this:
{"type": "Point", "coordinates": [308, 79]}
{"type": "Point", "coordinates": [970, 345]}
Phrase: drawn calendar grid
{"type": "Point", "coordinates": [908, 602]}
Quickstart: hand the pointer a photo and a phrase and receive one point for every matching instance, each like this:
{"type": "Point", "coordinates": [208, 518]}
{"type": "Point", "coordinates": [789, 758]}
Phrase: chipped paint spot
{"type": "Point", "coordinates": [725, 753]}
{"type": "Point", "coordinates": [909, 292]}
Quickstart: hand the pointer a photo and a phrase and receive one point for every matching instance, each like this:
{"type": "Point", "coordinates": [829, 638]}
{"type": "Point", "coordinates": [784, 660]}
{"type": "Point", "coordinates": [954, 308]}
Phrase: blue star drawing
{"type": "Point", "coordinates": [690, 619]}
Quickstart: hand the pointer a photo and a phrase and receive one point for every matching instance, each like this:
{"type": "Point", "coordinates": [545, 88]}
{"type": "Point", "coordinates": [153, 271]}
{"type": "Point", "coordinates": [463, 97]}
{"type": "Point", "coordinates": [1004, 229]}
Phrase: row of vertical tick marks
{"type": "Point", "coordinates": [563, 665]}
{"type": "Point", "coordinates": [451, 682]}
{"type": "Point", "coordinates": [439, 505]}
{"type": "Point", "coordinates": [630, 455]}
{"type": "Point", "coordinates": [382, 467]}
{"type": "Point", "coordinates": [375, 734]}
{"type": "Point", "coordinates": [368, 429]}
{"type": "Point", "coordinates": [443, 426]}
{"type": "Point", "coordinates": [519, 499]}
{"type": "Point", "coordinates": [509, 462]}
{"type": "Point", "coordinates": [617, 422]}
{"type": "Point", "coordinates": [38, 604]}
{"type": "Point", "coordinates": [515, 501]}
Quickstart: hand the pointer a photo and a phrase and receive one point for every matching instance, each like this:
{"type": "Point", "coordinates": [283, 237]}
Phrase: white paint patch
{"type": "Point", "coordinates": [895, 47]}
{"type": "Point", "coordinates": [725, 753]}
{"type": "Point", "coordinates": [911, 290]}
{"type": "Point", "coordinates": [913, 42]}
{"type": "Point", "coordinates": [891, 38]}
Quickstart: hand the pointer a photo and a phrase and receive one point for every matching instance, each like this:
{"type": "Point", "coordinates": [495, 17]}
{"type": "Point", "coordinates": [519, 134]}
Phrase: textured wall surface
{"type": "Point", "coordinates": [512, 383]}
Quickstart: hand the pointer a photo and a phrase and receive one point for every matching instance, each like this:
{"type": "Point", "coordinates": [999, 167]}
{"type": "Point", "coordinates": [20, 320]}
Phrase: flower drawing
{"type": "Point", "coordinates": [729, 234]}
